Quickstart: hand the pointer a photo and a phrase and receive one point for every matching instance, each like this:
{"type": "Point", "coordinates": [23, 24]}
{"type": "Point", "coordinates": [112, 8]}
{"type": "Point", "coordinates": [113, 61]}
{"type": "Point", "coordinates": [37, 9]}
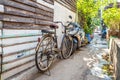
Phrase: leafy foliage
{"type": "Point", "coordinates": [112, 18]}
{"type": "Point", "coordinates": [87, 10]}
{"type": "Point", "coordinates": [88, 13]}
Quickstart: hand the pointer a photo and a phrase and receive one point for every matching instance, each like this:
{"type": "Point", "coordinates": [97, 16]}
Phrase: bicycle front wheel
{"type": "Point", "coordinates": [44, 56]}
{"type": "Point", "coordinates": [66, 46]}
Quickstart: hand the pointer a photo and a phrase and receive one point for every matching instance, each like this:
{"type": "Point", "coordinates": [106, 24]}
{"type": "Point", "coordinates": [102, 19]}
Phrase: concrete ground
{"type": "Point", "coordinates": [77, 67]}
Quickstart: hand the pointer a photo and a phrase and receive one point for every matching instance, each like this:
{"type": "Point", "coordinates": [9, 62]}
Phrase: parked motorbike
{"type": "Point", "coordinates": [77, 34]}
{"type": "Point", "coordinates": [73, 31]}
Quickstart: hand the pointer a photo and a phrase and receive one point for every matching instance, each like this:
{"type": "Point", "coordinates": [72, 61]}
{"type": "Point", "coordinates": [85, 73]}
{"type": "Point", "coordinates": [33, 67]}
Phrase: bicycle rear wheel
{"type": "Point", "coordinates": [66, 47]}
{"type": "Point", "coordinates": [44, 53]}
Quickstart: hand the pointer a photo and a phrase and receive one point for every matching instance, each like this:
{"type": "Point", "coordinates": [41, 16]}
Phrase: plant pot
{"type": "Point", "coordinates": [88, 37]}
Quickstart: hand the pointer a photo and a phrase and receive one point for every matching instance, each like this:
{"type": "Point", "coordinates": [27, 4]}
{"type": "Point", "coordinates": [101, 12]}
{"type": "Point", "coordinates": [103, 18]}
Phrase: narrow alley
{"type": "Point", "coordinates": [78, 67]}
{"type": "Point", "coordinates": [59, 39]}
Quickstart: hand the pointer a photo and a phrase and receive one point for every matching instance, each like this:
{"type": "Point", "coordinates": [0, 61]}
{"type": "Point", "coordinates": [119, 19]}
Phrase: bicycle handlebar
{"type": "Point", "coordinates": [62, 23]}
{"type": "Point", "coordinates": [59, 22]}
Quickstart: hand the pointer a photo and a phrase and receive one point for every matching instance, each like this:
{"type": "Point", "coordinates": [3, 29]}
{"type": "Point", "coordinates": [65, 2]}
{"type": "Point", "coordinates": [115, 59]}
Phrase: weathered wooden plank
{"type": "Point", "coordinates": [23, 13]}
{"type": "Point", "coordinates": [67, 5]}
{"type": "Point", "coordinates": [26, 74]}
{"type": "Point", "coordinates": [14, 44]}
{"type": "Point", "coordinates": [19, 40]}
{"type": "Point", "coordinates": [16, 48]}
{"type": "Point", "coordinates": [18, 5]}
{"type": "Point", "coordinates": [12, 18]}
{"type": "Point", "coordinates": [71, 4]}
{"type": "Point", "coordinates": [13, 22]}
{"type": "Point", "coordinates": [45, 13]}
{"type": "Point", "coordinates": [17, 36]}
{"type": "Point", "coordinates": [17, 25]}
{"type": "Point", "coordinates": [17, 63]}
{"type": "Point", "coordinates": [13, 58]}
{"type": "Point", "coordinates": [18, 52]}
{"type": "Point", "coordinates": [34, 4]}
{"type": "Point", "coordinates": [43, 17]}
{"type": "Point", "coordinates": [20, 12]}
{"type": "Point", "coordinates": [20, 33]}
{"type": "Point", "coordinates": [37, 26]}
{"type": "Point", "coordinates": [26, 6]}
{"type": "Point", "coordinates": [46, 3]}
{"type": "Point", "coordinates": [41, 22]}
{"type": "Point", "coordinates": [14, 71]}
{"type": "Point", "coordinates": [1, 8]}
{"type": "Point", "coordinates": [1, 17]}
{"type": "Point", "coordinates": [49, 1]}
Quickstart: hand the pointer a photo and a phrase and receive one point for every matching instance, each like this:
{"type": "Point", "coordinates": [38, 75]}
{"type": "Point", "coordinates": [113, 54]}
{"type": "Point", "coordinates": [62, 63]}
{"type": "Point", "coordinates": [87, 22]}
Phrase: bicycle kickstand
{"type": "Point", "coordinates": [49, 73]}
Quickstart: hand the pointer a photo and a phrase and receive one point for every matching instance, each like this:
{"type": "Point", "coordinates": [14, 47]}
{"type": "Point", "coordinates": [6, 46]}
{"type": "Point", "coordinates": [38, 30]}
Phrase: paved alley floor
{"type": "Point", "coordinates": [78, 66]}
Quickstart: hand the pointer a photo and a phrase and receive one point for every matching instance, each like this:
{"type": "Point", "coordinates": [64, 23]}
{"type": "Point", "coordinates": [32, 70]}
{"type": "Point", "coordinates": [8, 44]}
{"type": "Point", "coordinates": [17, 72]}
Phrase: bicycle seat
{"type": "Point", "coordinates": [46, 31]}
{"type": "Point", "coordinates": [54, 26]}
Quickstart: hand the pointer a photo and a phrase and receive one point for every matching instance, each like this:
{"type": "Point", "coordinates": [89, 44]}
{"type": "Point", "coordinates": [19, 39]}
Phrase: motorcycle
{"type": "Point", "coordinates": [77, 34]}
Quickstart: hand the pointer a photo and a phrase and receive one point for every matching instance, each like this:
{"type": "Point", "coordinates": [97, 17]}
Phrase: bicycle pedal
{"type": "Point", "coordinates": [59, 57]}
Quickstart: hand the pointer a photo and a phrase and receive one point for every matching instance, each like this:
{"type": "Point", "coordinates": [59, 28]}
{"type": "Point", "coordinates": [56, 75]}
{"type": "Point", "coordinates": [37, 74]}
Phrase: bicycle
{"type": "Point", "coordinates": [47, 48]}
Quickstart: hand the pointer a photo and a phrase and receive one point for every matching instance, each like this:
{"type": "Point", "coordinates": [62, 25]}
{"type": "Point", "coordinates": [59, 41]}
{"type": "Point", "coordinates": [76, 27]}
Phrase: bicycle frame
{"type": "Point", "coordinates": [54, 37]}
{"type": "Point", "coordinates": [48, 47]}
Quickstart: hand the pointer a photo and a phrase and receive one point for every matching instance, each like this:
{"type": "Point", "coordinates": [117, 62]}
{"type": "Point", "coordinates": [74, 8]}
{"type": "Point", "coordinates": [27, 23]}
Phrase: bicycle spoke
{"type": "Point", "coordinates": [67, 46]}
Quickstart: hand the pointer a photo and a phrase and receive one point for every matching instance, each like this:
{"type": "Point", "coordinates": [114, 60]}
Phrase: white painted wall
{"type": "Point", "coordinates": [61, 13]}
